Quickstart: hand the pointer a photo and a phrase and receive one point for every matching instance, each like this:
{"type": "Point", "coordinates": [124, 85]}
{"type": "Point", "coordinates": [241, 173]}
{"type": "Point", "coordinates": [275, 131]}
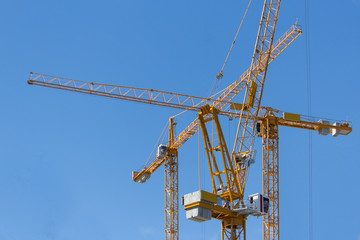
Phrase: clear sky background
{"type": "Point", "coordinates": [66, 158]}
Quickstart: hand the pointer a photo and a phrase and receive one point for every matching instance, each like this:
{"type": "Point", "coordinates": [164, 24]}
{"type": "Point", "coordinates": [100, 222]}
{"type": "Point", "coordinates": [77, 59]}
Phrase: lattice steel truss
{"type": "Point", "coordinates": [270, 169]}
{"type": "Point", "coordinates": [233, 232]}
{"type": "Point", "coordinates": [171, 197]}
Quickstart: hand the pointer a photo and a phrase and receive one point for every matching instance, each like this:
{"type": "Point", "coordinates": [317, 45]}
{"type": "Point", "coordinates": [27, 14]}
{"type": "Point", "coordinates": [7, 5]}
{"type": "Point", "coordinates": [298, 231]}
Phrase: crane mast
{"type": "Point", "coordinates": [171, 188]}
{"type": "Point", "coordinates": [270, 173]}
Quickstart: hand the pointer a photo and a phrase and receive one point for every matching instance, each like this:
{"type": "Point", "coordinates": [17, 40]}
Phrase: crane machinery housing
{"type": "Point", "coordinates": [228, 167]}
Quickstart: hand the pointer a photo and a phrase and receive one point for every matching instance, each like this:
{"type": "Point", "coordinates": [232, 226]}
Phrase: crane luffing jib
{"type": "Point", "coordinates": [255, 82]}
{"type": "Point", "coordinates": [245, 133]}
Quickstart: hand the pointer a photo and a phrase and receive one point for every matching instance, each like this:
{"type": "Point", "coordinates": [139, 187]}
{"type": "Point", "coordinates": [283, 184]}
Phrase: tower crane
{"type": "Point", "coordinates": [228, 176]}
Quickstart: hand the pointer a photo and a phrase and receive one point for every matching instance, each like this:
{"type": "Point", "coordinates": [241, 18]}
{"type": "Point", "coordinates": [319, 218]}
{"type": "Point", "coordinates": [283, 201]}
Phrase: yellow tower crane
{"type": "Point", "coordinates": [228, 176]}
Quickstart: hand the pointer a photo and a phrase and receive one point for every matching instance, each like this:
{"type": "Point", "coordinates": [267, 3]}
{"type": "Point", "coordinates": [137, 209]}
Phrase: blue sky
{"type": "Point", "coordinates": [66, 158]}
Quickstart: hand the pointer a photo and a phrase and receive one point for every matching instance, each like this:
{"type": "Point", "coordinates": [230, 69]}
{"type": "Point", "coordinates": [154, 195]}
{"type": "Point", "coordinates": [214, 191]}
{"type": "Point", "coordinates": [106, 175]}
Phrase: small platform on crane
{"type": "Point", "coordinates": [256, 205]}
{"type": "Point", "coordinates": [201, 206]}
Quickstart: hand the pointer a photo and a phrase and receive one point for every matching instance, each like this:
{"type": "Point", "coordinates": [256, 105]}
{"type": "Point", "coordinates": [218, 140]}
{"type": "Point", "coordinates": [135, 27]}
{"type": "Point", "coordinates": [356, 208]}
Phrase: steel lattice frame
{"type": "Point", "coordinates": [233, 233]}
{"type": "Point", "coordinates": [262, 54]}
{"type": "Point", "coordinates": [171, 197]}
{"type": "Point", "coordinates": [271, 177]}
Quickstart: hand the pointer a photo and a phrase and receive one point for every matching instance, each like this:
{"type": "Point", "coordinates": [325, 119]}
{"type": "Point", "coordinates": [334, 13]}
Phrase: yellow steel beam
{"type": "Point", "coordinates": [171, 190]}
{"type": "Point", "coordinates": [142, 95]}
{"type": "Point", "coordinates": [270, 172]}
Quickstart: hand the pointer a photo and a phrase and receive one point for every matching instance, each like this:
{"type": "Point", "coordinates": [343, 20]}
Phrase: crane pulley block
{"type": "Point", "coordinates": [246, 158]}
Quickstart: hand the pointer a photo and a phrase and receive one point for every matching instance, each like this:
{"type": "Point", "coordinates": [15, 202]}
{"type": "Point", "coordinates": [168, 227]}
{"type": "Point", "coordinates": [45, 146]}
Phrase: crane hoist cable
{"type": "Point", "coordinates": [221, 73]}
{"type": "Point", "coordinates": [214, 86]}
{"type": "Point", "coordinates": [216, 82]}
{"type": "Point", "coordinates": [308, 83]}
{"type": "Point", "coordinates": [199, 160]}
